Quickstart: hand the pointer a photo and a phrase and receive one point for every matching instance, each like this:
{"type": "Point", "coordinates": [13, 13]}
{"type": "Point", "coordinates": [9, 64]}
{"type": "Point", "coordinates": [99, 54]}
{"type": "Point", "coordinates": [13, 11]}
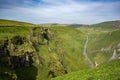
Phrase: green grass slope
{"type": "Point", "coordinates": [102, 45]}
{"type": "Point", "coordinates": [102, 42]}
{"type": "Point", "coordinates": [11, 23]}
{"type": "Point", "coordinates": [107, 25]}
{"type": "Point", "coordinates": [110, 71]}
{"type": "Point", "coordinates": [66, 51]}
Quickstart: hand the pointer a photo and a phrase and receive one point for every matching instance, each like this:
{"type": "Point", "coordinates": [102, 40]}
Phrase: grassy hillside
{"type": "Point", "coordinates": [64, 54]}
{"type": "Point", "coordinates": [107, 25]}
{"type": "Point", "coordinates": [109, 71]}
{"type": "Point", "coordinates": [11, 23]}
{"type": "Point", "coordinates": [102, 44]}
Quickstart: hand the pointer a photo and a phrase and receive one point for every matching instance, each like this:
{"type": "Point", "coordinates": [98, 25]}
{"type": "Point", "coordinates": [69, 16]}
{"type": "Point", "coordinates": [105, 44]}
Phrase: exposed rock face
{"type": "Point", "coordinates": [108, 49]}
{"type": "Point", "coordinates": [21, 61]}
{"type": "Point", "coordinates": [96, 64]}
{"type": "Point", "coordinates": [18, 40]}
{"type": "Point", "coordinates": [19, 52]}
{"type": "Point", "coordinates": [114, 56]}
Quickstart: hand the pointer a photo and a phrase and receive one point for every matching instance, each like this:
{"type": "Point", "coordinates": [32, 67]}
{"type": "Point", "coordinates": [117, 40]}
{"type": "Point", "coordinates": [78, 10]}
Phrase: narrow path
{"type": "Point", "coordinates": [85, 53]}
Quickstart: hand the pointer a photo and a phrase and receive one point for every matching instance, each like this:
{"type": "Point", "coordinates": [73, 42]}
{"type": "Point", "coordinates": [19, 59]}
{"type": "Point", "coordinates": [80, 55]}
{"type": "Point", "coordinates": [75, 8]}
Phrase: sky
{"type": "Point", "coordinates": [60, 11]}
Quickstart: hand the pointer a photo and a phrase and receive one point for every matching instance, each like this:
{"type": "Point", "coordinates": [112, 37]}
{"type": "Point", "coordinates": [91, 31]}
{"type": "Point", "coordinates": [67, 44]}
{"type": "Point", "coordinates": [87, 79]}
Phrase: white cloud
{"type": "Point", "coordinates": [58, 1]}
{"type": "Point", "coordinates": [72, 12]}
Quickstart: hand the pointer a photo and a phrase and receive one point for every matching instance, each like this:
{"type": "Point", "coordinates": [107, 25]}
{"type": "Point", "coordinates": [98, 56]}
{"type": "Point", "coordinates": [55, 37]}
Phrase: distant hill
{"type": "Point", "coordinates": [102, 25]}
{"type": "Point", "coordinates": [108, 24]}
{"type": "Point", "coordinates": [75, 25]}
{"type": "Point", "coordinates": [12, 23]}
{"type": "Point", "coordinates": [52, 24]}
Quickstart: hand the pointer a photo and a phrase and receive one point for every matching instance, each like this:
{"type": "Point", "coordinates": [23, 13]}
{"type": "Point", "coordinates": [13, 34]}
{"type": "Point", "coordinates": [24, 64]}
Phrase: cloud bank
{"type": "Point", "coordinates": [60, 11]}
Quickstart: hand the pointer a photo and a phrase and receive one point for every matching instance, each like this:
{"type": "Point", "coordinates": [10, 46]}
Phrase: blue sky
{"type": "Point", "coordinates": [60, 11]}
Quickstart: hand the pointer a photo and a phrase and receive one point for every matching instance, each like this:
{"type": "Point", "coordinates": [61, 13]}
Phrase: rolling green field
{"type": "Point", "coordinates": [64, 54]}
{"type": "Point", "coordinates": [11, 23]}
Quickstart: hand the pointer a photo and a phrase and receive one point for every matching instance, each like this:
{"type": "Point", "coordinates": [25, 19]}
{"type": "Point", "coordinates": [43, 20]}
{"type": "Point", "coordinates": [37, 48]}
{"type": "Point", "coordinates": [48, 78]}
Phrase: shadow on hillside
{"type": "Point", "coordinates": [27, 73]}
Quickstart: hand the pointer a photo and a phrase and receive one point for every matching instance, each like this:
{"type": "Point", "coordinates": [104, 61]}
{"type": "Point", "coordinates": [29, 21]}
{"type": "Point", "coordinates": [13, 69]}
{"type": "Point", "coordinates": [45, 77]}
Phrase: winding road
{"type": "Point", "coordinates": [85, 52]}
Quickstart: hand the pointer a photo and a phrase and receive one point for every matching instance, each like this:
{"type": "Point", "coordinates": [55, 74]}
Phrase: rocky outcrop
{"type": "Point", "coordinates": [116, 53]}
{"type": "Point", "coordinates": [114, 56]}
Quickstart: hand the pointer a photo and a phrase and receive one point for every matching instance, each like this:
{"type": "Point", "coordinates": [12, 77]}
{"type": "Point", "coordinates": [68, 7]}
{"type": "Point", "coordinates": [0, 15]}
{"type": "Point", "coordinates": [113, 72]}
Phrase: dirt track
{"type": "Point", "coordinates": [85, 53]}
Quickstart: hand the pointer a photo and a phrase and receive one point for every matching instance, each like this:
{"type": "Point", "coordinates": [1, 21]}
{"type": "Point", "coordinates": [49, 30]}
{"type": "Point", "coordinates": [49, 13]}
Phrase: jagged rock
{"type": "Point", "coordinates": [118, 45]}
{"type": "Point", "coordinates": [114, 56]}
{"type": "Point", "coordinates": [22, 61]}
{"type": "Point", "coordinates": [96, 64]}
{"type": "Point", "coordinates": [118, 50]}
{"type": "Point", "coordinates": [51, 73]}
{"type": "Point", "coordinates": [18, 40]}
{"type": "Point", "coordinates": [106, 49]}
{"type": "Point", "coordinates": [49, 49]}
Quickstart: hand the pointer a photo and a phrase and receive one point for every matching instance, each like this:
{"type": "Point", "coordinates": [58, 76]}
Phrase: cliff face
{"type": "Point", "coordinates": [19, 52]}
